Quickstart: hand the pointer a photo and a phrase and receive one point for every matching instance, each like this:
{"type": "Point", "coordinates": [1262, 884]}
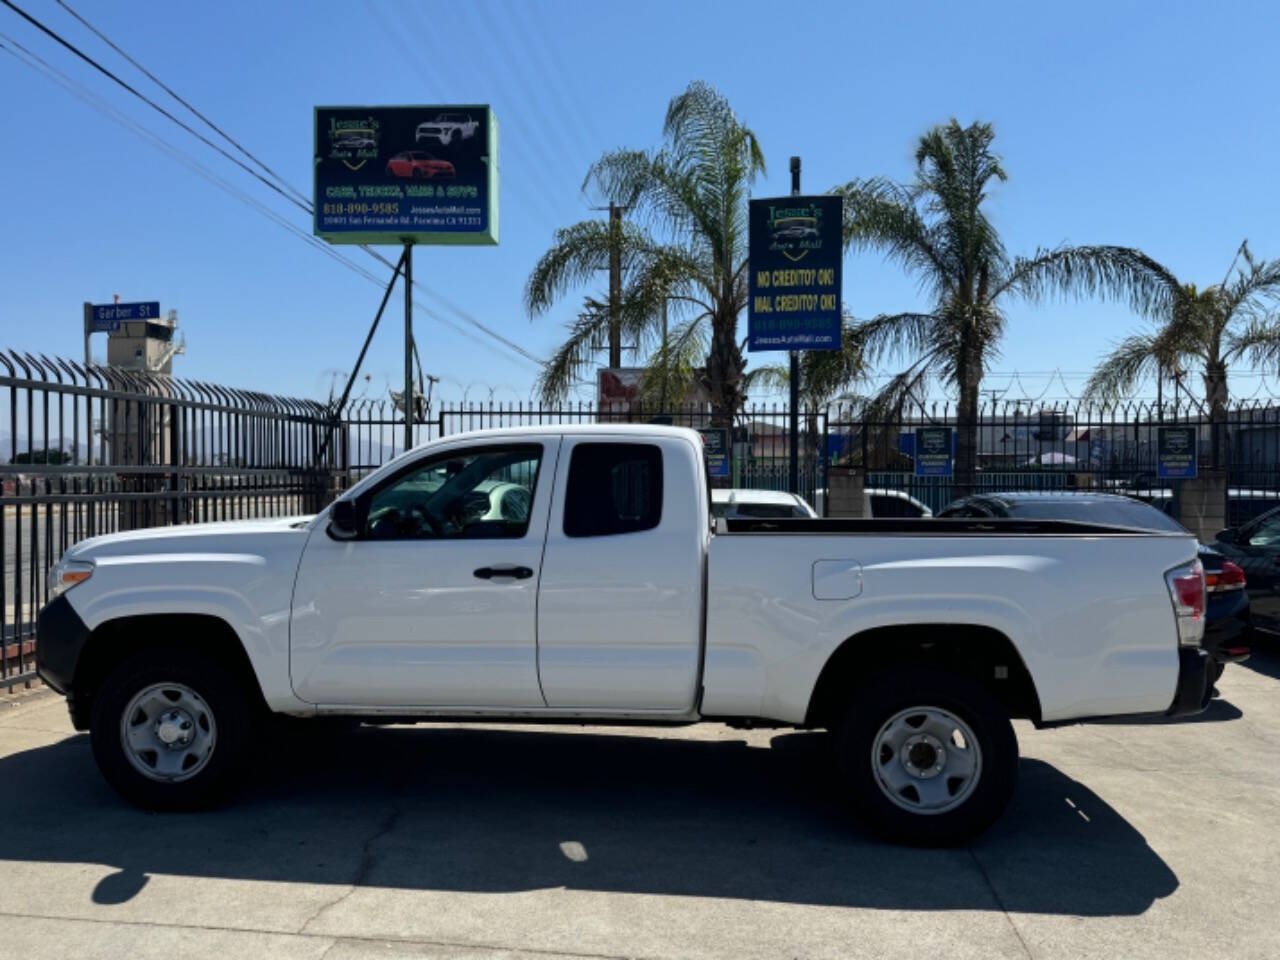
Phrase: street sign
{"type": "Point", "coordinates": [933, 452]}
{"type": "Point", "coordinates": [794, 260]}
{"type": "Point", "coordinates": [107, 317]}
{"type": "Point", "coordinates": [715, 448]}
{"type": "Point", "coordinates": [1175, 453]}
{"type": "Point", "coordinates": [406, 174]}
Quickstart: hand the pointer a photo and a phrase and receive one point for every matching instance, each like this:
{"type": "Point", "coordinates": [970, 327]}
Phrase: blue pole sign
{"type": "Point", "coordinates": [107, 317]}
{"type": "Point", "coordinates": [1175, 453]}
{"type": "Point", "coordinates": [795, 254]}
{"type": "Point", "coordinates": [715, 447]}
{"type": "Point", "coordinates": [933, 452]}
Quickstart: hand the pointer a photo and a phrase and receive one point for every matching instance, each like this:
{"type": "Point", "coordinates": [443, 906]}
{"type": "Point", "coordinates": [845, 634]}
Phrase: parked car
{"type": "Point", "coordinates": [1228, 618]}
{"type": "Point", "coordinates": [760, 504]}
{"type": "Point", "coordinates": [419, 165]}
{"type": "Point", "coordinates": [613, 600]}
{"type": "Point", "coordinates": [1256, 548]}
{"type": "Point", "coordinates": [445, 127]}
{"type": "Point", "coordinates": [883, 502]}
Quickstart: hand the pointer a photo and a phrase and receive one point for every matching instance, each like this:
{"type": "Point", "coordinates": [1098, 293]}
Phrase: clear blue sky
{"type": "Point", "coordinates": [1148, 125]}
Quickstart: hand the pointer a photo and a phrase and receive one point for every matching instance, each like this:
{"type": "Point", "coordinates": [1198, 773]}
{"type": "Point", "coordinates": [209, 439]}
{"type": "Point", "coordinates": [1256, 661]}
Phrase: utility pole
{"type": "Point", "coordinates": [793, 478]}
{"type": "Point", "coordinates": [615, 285]}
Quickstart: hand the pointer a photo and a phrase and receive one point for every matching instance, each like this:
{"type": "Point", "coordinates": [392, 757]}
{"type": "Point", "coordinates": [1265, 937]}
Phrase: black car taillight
{"type": "Point", "coordinates": [1230, 577]}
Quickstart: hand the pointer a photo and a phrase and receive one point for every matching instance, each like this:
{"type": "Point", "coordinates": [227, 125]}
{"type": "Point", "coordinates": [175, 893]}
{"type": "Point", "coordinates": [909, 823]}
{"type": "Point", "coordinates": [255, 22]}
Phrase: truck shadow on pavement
{"type": "Point", "coordinates": [465, 809]}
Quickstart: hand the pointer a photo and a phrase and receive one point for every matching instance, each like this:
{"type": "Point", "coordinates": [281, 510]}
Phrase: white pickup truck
{"type": "Point", "coordinates": [574, 574]}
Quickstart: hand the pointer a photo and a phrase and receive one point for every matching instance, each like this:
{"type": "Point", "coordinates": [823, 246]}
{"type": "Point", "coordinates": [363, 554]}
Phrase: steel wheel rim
{"type": "Point", "coordinates": [168, 732]}
{"type": "Point", "coordinates": [926, 760]}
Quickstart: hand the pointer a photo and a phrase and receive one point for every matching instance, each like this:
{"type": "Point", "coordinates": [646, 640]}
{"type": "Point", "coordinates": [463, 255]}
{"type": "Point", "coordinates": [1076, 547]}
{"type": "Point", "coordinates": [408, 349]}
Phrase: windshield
{"type": "Point", "coordinates": [1086, 509]}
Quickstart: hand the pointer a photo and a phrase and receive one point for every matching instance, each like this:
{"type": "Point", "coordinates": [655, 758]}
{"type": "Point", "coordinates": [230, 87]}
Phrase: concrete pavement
{"type": "Point", "coordinates": [484, 842]}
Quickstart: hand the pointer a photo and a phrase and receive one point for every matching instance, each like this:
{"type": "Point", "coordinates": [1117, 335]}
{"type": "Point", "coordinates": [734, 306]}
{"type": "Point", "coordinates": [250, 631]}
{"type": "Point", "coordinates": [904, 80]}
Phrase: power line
{"type": "Point", "coordinates": [171, 92]}
{"type": "Point", "coordinates": [35, 62]}
{"type": "Point", "coordinates": [57, 38]}
{"type": "Point", "coordinates": [303, 204]}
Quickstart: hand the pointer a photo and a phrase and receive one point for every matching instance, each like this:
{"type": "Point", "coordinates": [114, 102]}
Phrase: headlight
{"type": "Point", "coordinates": [66, 574]}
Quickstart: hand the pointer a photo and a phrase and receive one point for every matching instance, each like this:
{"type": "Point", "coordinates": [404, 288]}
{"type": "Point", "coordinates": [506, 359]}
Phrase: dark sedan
{"type": "Point", "coordinates": [1228, 619]}
{"type": "Point", "coordinates": [1256, 548]}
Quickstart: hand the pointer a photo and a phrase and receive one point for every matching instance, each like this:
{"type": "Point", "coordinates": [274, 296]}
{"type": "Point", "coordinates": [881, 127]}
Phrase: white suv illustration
{"type": "Point", "coordinates": [445, 126]}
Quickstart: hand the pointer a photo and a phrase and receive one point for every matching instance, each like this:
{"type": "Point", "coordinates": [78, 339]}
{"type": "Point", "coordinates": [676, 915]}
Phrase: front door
{"type": "Point", "coordinates": [434, 604]}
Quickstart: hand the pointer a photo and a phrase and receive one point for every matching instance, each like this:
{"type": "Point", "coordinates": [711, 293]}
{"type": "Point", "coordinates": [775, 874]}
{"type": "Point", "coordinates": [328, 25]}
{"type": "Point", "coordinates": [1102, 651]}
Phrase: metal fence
{"type": "Point", "coordinates": [88, 450]}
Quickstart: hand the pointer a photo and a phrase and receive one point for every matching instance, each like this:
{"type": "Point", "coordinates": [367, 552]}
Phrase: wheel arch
{"type": "Point", "coordinates": [114, 641]}
{"type": "Point", "coordinates": [983, 653]}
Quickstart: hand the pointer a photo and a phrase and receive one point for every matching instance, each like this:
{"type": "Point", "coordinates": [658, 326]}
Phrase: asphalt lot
{"type": "Point", "coordinates": [1139, 840]}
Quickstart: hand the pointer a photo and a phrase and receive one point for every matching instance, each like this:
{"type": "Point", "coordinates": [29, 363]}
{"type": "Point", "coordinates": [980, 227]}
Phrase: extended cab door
{"type": "Point", "coordinates": [434, 603]}
{"type": "Point", "coordinates": [620, 605]}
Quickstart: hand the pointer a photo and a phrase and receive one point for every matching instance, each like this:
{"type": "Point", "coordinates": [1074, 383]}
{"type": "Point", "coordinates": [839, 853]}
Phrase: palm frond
{"type": "Point", "coordinates": [1109, 272]}
{"type": "Point", "coordinates": [892, 333]}
{"type": "Point", "coordinates": [1259, 341]}
{"type": "Point", "coordinates": [881, 215]}
{"type": "Point", "coordinates": [671, 372]}
{"type": "Point", "coordinates": [1132, 359]}
{"type": "Point", "coordinates": [572, 357]}
{"type": "Point", "coordinates": [576, 257]}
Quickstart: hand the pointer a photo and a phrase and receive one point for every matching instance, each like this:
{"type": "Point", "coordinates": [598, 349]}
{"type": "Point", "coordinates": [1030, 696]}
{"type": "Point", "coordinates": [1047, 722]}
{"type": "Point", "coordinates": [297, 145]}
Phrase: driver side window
{"type": "Point", "coordinates": [468, 494]}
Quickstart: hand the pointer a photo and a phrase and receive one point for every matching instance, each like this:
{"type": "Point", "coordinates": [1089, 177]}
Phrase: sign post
{"type": "Point", "coordinates": [793, 296]}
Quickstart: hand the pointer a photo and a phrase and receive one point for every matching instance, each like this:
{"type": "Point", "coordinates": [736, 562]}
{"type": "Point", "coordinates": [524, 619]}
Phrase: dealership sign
{"type": "Point", "coordinates": [795, 253]}
{"type": "Point", "coordinates": [1176, 453]}
{"type": "Point", "coordinates": [406, 174]}
{"type": "Point", "coordinates": [715, 449]}
{"type": "Point", "coordinates": [933, 452]}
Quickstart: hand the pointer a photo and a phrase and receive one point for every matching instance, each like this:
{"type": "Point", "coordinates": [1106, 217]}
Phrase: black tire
{"type": "Point", "coordinates": [899, 691]}
{"type": "Point", "coordinates": [1215, 671]}
{"type": "Point", "coordinates": [221, 694]}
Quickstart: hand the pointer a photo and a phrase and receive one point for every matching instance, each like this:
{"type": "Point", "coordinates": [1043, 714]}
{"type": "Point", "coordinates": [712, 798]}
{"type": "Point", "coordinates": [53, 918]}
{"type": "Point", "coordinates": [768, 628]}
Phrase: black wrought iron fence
{"type": "Point", "coordinates": [89, 450]}
{"type": "Point", "coordinates": [86, 450]}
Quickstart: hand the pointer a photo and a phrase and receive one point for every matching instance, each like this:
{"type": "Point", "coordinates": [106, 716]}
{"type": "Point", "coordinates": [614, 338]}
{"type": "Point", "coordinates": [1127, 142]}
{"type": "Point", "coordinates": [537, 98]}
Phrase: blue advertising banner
{"type": "Point", "coordinates": [715, 447]}
{"type": "Point", "coordinates": [393, 174]}
{"type": "Point", "coordinates": [1176, 453]}
{"type": "Point", "coordinates": [795, 254]}
{"type": "Point", "coordinates": [107, 317]}
{"type": "Point", "coordinates": [933, 452]}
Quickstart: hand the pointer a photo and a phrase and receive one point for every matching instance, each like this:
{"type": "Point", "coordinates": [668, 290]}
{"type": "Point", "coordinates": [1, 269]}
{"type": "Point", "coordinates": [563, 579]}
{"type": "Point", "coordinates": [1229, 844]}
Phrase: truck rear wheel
{"type": "Point", "coordinates": [930, 756]}
{"type": "Point", "coordinates": [169, 729]}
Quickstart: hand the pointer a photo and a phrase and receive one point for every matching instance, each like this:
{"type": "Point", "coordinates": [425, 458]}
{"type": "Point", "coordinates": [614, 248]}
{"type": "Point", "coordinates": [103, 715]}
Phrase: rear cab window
{"type": "Point", "coordinates": [613, 489]}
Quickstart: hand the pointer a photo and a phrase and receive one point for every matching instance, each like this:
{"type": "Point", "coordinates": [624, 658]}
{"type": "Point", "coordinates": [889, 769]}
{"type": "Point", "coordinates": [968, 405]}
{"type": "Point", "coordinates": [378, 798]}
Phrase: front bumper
{"type": "Point", "coordinates": [60, 638]}
{"type": "Point", "coordinates": [1194, 688]}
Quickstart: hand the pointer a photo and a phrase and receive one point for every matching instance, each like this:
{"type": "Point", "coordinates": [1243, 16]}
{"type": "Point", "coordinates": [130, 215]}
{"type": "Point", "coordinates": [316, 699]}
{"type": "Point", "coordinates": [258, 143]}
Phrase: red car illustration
{"type": "Point", "coordinates": [419, 165]}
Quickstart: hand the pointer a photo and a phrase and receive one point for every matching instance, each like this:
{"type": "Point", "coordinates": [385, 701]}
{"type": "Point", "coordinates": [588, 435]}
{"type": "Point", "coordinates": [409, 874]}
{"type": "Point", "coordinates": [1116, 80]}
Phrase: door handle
{"type": "Point", "coordinates": [516, 573]}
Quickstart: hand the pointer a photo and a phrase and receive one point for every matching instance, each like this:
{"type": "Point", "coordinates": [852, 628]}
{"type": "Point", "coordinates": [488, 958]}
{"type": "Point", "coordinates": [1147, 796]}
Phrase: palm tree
{"type": "Point", "coordinates": [685, 250]}
{"type": "Point", "coordinates": [1209, 328]}
{"type": "Point", "coordinates": [936, 228]}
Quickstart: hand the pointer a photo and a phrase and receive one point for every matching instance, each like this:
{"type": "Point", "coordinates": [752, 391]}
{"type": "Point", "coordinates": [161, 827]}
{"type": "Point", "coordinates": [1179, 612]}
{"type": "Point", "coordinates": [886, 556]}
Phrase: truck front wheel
{"type": "Point", "coordinates": [930, 756]}
{"type": "Point", "coordinates": [169, 729]}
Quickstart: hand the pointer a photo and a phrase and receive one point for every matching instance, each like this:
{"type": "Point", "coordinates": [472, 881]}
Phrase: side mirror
{"type": "Point", "coordinates": [1229, 535]}
{"type": "Point", "coordinates": [343, 524]}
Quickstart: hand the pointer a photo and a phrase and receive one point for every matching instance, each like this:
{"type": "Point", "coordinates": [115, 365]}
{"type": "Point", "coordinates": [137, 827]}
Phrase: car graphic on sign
{"type": "Point", "coordinates": [419, 165]}
{"type": "Point", "coordinates": [445, 127]}
{"type": "Point", "coordinates": [356, 143]}
{"type": "Point", "coordinates": [795, 228]}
